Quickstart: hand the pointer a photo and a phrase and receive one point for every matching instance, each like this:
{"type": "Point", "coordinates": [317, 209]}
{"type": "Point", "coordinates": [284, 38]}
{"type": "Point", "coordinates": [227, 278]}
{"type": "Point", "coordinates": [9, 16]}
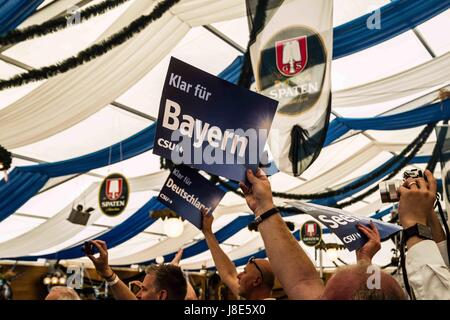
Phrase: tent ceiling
{"type": "Point", "coordinates": [205, 50]}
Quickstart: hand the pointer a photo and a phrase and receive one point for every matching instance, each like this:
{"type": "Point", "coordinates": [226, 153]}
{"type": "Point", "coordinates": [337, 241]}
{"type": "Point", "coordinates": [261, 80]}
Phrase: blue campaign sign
{"type": "Point", "coordinates": [211, 124]}
{"type": "Point", "coordinates": [343, 224]}
{"type": "Point", "coordinates": [187, 192]}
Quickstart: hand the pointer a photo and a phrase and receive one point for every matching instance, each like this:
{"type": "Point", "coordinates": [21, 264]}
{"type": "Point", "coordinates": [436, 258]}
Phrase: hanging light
{"type": "Point", "coordinates": [55, 280]}
{"type": "Point", "coordinates": [47, 280]}
{"type": "Point", "coordinates": [62, 281]}
{"type": "Point", "coordinates": [173, 227]}
{"type": "Point", "coordinates": [159, 259]}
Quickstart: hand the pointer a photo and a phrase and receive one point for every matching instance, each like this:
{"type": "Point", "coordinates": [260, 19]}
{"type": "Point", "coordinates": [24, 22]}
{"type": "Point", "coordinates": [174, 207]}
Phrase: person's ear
{"type": "Point", "coordinates": [162, 295]}
{"type": "Point", "coordinates": [257, 281]}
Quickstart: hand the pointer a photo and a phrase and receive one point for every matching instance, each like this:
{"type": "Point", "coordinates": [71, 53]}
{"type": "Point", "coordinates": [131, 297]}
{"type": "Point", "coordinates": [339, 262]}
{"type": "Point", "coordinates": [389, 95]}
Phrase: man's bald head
{"type": "Point", "coordinates": [62, 293]}
{"type": "Point", "coordinates": [353, 283]}
{"type": "Point", "coordinates": [266, 269]}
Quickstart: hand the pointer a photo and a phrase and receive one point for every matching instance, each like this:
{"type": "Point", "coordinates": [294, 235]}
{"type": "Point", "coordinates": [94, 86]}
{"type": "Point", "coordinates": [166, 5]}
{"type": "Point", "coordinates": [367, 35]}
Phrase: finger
{"type": "Point", "coordinates": [91, 256]}
{"type": "Point", "coordinates": [403, 190]}
{"type": "Point", "coordinates": [98, 243]}
{"type": "Point", "coordinates": [102, 244]}
{"type": "Point", "coordinates": [251, 177]}
{"type": "Point", "coordinates": [411, 184]}
{"type": "Point", "coordinates": [432, 184]}
{"type": "Point", "coordinates": [375, 229]}
{"type": "Point", "coordinates": [244, 188]}
{"type": "Point", "coordinates": [365, 230]}
{"type": "Point", "coordinates": [99, 247]}
{"type": "Point", "coordinates": [261, 174]}
{"type": "Point", "coordinates": [422, 183]}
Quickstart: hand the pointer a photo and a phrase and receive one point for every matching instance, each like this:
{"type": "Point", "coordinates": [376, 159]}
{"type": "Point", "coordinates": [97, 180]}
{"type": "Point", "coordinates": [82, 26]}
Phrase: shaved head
{"type": "Point", "coordinates": [257, 280]}
{"type": "Point", "coordinates": [352, 283]}
{"type": "Point", "coordinates": [266, 269]}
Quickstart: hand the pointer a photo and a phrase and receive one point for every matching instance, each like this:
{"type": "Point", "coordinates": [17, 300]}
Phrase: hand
{"type": "Point", "coordinates": [101, 262]}
{"type": "Point", "coordinates": [417, 198]}
{"type": "Point", "coordinates": [372, 246]}
{"type": "Point", "coordinates": [259, 195]}
{"type": "Point", "coordinates": [177, 259]}
{"type": "Point", "coordinates": [207, 221]}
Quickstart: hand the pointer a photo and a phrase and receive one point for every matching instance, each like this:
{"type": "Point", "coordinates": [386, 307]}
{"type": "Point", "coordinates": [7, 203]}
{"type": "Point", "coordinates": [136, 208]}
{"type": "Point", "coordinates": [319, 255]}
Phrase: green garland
{"type": "Point", "coordinates": [56, 24]}
{"type": "Point", "coordinates": [5, 159]}
{"type": "Point", "coordinates": [412, 149]}
{"type": "Point", "coordinates": [92, 52]}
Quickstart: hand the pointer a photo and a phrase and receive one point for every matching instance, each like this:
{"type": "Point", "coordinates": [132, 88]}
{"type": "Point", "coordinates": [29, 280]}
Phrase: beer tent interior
{"type": "Point", "coordinates": [116, 96]}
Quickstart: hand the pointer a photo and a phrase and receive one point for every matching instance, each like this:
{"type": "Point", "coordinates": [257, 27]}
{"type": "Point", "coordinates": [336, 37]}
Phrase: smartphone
{"type": "Point", "coordinates": [89, 248]}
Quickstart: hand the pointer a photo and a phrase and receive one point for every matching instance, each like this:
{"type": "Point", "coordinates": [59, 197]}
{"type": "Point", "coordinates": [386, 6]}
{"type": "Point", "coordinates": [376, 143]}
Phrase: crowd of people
{"type": "Point", "coordinates": [427, 261]}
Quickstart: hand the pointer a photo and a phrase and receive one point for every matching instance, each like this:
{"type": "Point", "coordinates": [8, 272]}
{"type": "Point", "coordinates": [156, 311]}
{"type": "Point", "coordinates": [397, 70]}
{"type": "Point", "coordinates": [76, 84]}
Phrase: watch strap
{"type": "Point", "coordinates": [419, 230]}
{"type": "Point", "coordinates": [254, 224]}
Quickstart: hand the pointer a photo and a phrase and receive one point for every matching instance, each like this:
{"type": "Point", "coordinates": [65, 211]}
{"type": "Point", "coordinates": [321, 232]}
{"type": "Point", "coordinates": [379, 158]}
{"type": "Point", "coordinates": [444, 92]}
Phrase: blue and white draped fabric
{"type": "Point", "coordinates": [14, 12]}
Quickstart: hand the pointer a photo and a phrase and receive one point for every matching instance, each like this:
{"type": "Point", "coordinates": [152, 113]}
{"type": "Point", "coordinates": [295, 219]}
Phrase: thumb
{"type": "Point", "coordinates": [251, 177]}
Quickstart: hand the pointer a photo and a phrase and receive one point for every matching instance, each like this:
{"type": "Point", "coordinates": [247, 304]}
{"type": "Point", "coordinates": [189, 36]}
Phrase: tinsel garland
{"type": "Point", "coordinates": [92, 52]}
{"type": "Point", "coordinates": [5, 159]}
{"type": "Point", "coordinates": [428, 129]}
{"type": "Point", "coordinates": [414, 146]}
{"type": "Point", "coordinates": [431, 165]}
{"type": "Point", "coordinates": [245, 78]}
{"type": "Point", "coordinates": [56, 24]}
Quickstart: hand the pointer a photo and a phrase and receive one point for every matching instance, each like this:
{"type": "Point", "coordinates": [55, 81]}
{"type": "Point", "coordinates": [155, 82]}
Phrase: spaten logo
{"type": "Point", "coordinates": [292, 69]}
{"type": "Point", "coordinates": [114, 194]}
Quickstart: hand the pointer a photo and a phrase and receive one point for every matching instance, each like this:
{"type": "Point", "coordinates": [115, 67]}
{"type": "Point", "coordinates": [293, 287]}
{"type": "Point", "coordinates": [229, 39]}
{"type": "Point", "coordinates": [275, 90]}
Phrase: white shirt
{"type": "Point", "coordinates": [428, 274]}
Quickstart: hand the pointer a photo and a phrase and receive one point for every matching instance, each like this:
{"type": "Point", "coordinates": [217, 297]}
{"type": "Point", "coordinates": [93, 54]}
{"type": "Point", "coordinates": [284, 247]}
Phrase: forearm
{"type": "Point", "coordinates": [290, 263]}
{"type": "Point", "coordinates": [225, 267]}
{"type": "Point", "coordinates": [121, 291]}
{"type": "Point", "coordinates": [190, 294]}
{"type": "Point", "coordinates": [436, 228]}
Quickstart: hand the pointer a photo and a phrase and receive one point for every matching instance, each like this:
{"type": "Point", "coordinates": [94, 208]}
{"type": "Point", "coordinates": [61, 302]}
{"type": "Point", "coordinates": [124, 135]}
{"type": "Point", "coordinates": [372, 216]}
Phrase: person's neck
{"type": "Point", "coordinates": [259, 295]}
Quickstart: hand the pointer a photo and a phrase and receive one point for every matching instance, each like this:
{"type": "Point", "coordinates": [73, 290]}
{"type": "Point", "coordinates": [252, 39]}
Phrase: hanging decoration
{"type": "Point", "coordinates": [311, 233]}
{"type": "Point", "coordinates": [397, 162]}
{"type": "Point", "coordinates": [80, 216]}
{"type": "Point", "coordinates": [114, 194]}
{"type": "Point", "coordinates": [92, 52]}
{"type": "Point", "coordinates": [425, 134]}
{"type": "Point", "coordinates": [56, 24]}
{"type": "Point", "coordinates": [5, 161]}
{"type": "Point", "coordinates": [292, 64]}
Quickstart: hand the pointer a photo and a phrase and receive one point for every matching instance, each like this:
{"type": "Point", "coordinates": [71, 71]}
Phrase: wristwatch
{"type": "Point", "coordinates": [254, 224]}
{"type": "Point", "coordinates": [420, 230]}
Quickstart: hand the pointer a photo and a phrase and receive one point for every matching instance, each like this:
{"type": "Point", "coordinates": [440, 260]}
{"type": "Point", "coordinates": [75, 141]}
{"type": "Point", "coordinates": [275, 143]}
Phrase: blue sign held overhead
{"type": "Point", "coordinates": [210, 124]}
{"type": "Point", "coordinates": [343, 224]}
{"type": "Point", "coordinates": [187, 192]}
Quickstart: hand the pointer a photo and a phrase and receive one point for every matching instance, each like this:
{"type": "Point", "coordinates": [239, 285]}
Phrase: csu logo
{"type": "Point", "coordinates": [292, 68]}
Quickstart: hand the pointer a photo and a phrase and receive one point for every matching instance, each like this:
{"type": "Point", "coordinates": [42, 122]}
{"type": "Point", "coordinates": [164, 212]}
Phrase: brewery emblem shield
{"type": "Point", "coordinates": [292, 69]}
{"type": "Point", "coordinates": [291, 55]}
{"type": "Point", "coordinates": [114, 194]}
{"type": "Point", "coordinates": [311, 233]}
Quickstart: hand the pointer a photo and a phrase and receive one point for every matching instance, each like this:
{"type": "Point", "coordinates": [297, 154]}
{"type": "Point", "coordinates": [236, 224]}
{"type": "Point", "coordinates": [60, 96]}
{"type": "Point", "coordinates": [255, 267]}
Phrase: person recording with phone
{"type": "Point", "coordinates": [161, 282]}
{"type": "Point", "coordinates": [426, 259]}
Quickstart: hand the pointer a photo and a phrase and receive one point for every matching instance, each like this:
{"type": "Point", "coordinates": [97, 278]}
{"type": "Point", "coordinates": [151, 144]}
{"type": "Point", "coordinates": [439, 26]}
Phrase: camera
{"type": "Point", "coordinates": [389, 188]}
